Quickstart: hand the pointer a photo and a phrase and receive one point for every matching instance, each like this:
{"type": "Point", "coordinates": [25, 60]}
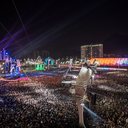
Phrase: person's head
{"type": "Point", "coordinates": [85, 64]}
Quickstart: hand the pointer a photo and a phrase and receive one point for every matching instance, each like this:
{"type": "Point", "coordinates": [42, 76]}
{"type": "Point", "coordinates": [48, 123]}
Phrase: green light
{"type": "Point", "coordinates": [40, 67]}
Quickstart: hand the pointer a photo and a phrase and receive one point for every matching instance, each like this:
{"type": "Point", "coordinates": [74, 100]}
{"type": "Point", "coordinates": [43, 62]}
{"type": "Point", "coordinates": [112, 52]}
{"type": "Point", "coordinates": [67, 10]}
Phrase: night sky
{"type": "Point", "coordinates": [61, 26]}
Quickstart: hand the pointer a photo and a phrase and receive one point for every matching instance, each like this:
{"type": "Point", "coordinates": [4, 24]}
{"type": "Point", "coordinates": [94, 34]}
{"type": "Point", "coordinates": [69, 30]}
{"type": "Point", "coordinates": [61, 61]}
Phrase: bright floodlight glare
{"type": "Point", "coordinates": [82, 104]}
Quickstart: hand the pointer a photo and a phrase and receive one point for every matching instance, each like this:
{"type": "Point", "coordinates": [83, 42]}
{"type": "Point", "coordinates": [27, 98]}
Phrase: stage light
{"type": "Point", "coordinates": [112, 61]}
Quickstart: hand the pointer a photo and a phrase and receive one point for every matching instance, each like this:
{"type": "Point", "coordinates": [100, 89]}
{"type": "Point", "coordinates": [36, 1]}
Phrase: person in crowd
{"type": "Point", "coordinates": [83, 80]}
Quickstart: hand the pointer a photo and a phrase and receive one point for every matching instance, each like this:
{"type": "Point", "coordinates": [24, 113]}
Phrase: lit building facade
{"type": "Point", "coordinates": [91, 51]}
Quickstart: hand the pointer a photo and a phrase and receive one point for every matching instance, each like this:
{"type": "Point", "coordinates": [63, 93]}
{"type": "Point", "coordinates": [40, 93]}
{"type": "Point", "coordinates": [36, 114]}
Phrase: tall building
{"type": "Point", "coordinates": [91, 51]}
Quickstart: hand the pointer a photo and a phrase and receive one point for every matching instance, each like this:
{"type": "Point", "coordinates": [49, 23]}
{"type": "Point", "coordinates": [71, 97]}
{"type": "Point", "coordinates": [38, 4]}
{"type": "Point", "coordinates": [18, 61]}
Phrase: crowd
{"type": "Point", "coordinates": [112, 99]}
{"type": "Point", "coordinates": [43, 102]}
{"type": "Point", "coordinates": [34, 105]}
{"type": "Point", "coordinates": [114, 112]}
